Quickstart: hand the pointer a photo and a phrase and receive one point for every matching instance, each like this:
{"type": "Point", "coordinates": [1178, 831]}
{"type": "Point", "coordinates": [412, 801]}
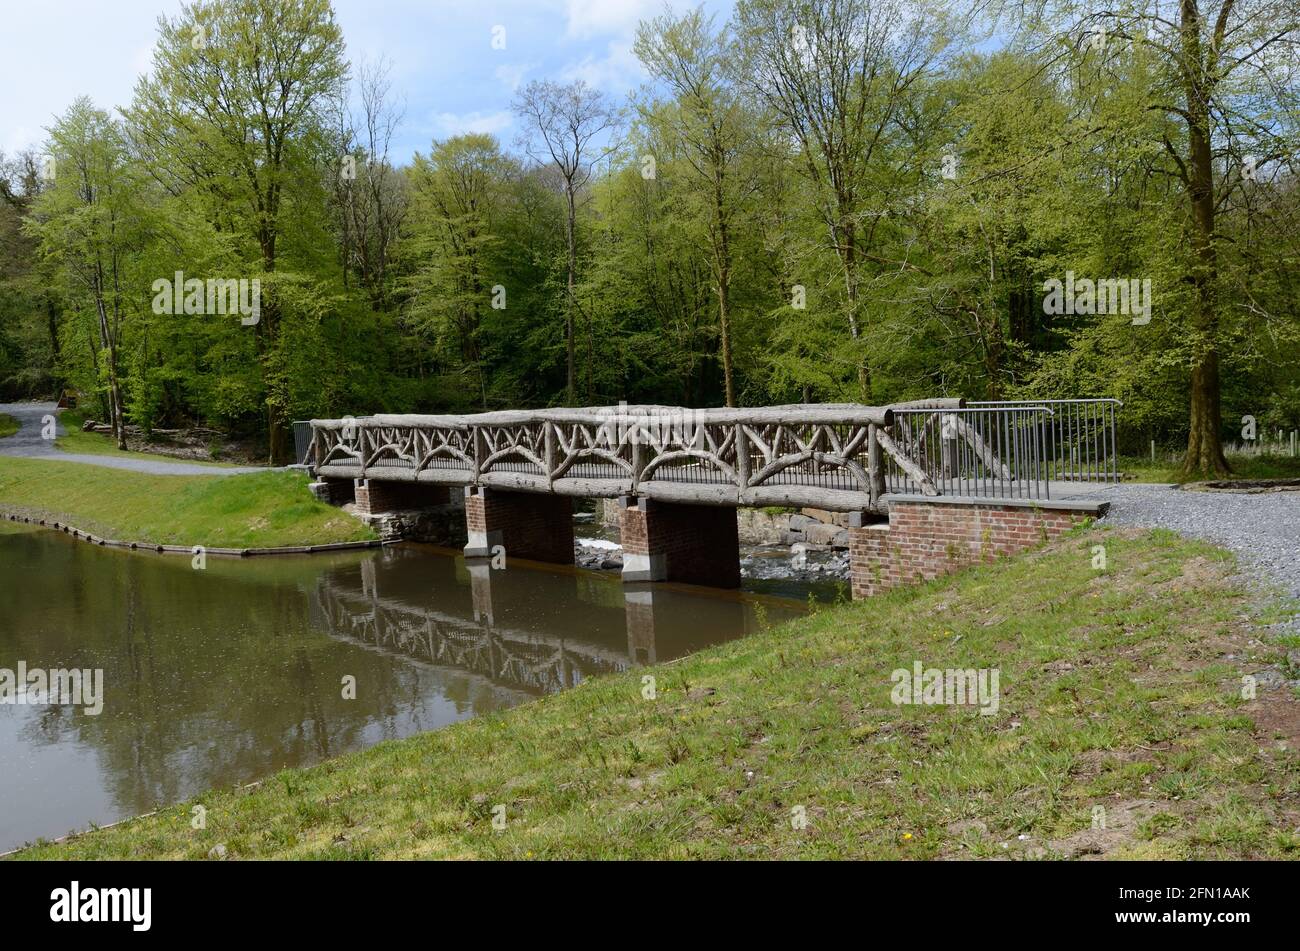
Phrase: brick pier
{"type": "Point", "coordinates": [373, 497]}
{"type": "Point", "coordinates": [526, 524]}
{"type": "Point", "coordinates": [926, 538]}
{"type": "Point", "coordinates": [695, 544]}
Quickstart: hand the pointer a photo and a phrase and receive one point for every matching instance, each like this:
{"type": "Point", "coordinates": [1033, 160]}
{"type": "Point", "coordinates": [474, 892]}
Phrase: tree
{"type": "Point", "coordinates": [91, 225]}
{"type": "Point", "coordinates": [238, 98]}
{"type": "Point", "coordinates": [839, 73]}
{"type": "Point", "coordinates": [456, 194]}
{"type": "Point", "coordinates": [565, 123]}
{"type": "Point", "coordinates": [369, 192]}
{"type": "Point", "coordinates": [709, 120]}
{"type": "Point", "coordinates": [1226, 74]}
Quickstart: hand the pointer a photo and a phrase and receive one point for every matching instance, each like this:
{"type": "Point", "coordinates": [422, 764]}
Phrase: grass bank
{"type": "Point", "coordinates": [99, 444]}
{"type": "Point", "coordinates": [8, 425]}
{"type": "Point", "coordinates": [1142, 469]}
{"type": "Point", "coordinates": [1120, 690]}
{"type": "Point", "coordinates": [256, 510]}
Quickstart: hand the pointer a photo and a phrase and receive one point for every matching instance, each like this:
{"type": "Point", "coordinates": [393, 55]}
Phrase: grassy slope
{"type": "Point", "coordinates": [256, 510]}
{"type": "Point", "coordinates": [8, 425]}
{"type": "Point", "coordinates": [1116, 691]}
{"type": "Point", "coordinates": [98, 444]}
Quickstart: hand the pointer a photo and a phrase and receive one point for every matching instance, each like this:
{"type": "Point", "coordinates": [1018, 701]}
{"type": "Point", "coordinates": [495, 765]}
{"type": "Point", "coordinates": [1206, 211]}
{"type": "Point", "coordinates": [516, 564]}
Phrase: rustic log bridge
{"type": "Point", "coordinates": [827, 456]}
{"type": "Point", "coordinates": [980, 471]}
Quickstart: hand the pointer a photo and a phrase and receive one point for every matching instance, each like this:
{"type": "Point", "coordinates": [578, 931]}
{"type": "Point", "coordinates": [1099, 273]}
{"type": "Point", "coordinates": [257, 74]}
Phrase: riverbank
{"type": "Point", "coordinates": [1120, 730]}
{"type": "Point", "coordinates": [255, 510]}
{"type": "Point", "coordinates": [8, 425]}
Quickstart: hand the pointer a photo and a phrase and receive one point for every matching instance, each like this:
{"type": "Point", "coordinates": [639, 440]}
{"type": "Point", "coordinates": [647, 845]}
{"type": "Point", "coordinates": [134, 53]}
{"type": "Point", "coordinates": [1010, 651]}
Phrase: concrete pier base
{"type": "Point", "coordinates": [519, 524]}
{"type": "Point", "coordinates": [694, 544]}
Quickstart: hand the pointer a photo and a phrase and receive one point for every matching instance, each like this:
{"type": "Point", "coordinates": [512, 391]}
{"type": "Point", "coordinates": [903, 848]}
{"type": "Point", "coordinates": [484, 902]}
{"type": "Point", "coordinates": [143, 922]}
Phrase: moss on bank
{"type": "Point", "coordinates": [1120, 691]}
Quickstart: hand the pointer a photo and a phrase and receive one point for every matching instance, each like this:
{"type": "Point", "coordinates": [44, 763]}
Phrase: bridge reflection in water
{"type": "Point", "coordinates": [529, 628]}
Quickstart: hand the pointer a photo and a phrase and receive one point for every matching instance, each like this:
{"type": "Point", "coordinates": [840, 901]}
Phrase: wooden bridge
{"type": "Point", "coordinates": [680, 462]}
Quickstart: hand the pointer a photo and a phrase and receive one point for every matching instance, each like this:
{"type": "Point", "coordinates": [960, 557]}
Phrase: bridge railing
{"type": "Point", "coordinates": [979, 452]}
{"type": "Point", "coordinates": [1079, 441]}
{"type": "Point", "coordinates": [809, 455]}
{"type": "Point", "coordinates": [836, 456]}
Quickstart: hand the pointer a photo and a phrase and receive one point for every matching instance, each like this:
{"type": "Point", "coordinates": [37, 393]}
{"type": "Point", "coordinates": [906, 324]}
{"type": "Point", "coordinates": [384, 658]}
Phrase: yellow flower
{"type": "Point", "coordinates": [907, 835]}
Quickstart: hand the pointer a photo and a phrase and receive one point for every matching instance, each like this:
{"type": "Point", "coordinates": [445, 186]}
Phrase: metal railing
{"type": "Point", "coordinates": [975, 451]}
{"type": "Point", "coordinates": [1079, 443]}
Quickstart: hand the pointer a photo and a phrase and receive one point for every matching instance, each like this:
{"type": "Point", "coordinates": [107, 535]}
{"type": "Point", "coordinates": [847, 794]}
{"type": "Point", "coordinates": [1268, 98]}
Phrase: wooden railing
{"type": "Point", "coordinates": [844, 457]}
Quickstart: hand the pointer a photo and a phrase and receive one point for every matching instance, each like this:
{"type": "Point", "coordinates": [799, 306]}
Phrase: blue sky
{"type": "Point", "coordinates": [444, 68]}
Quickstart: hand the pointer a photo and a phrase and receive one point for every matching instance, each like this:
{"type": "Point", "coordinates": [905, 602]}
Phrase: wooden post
{"type": "Point", "coordinates": [875, 466]}
{"type": "Point", "coordinates": [548, 441]}
{"type": "Point", "coordinates": [480, 451]}
{"type": "Point", "coordinates": [638, 460]}
{"type": "Point", "coordinates": [742, 457]}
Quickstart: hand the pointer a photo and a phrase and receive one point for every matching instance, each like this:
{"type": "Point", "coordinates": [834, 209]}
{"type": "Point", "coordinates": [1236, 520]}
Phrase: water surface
{"type": "Point", "coordinates": [225, 675]}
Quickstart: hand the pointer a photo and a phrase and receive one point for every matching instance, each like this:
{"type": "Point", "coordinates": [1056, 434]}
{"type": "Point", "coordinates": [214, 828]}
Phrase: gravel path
{"type": "Point", "coordinates": [27, 442]}
{"type": "Point", "coordinates": [1262, 528]}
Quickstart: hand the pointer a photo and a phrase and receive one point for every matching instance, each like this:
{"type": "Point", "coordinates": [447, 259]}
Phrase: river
{"type": "Point", "coordinates": [224, 675]}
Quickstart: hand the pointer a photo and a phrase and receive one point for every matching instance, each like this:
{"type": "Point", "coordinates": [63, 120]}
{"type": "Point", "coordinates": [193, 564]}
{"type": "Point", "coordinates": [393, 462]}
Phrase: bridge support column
{"type": "Point", "coordinates": [695, 544]}
{"type": "Point", "coordinates": [334, 491]}
{"type": "Point", "coordinates": [374, 497]}
{"type": "Point", "coordinates": [527, 525]}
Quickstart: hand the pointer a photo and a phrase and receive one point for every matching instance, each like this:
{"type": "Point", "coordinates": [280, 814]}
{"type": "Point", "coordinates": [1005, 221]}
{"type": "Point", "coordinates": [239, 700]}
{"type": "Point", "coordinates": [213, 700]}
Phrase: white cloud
{"type": "Point", "coordinates": [617, 71]}
{"type": "Point", "coordinates": [593, 17]}
{"type": "Point", "coordinates": [447, 124]}
{"type": "Point", "coordinates": [512, 75]}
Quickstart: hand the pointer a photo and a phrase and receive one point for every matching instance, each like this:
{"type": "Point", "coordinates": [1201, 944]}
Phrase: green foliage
{"type": "Point", "coordinates": [870, 194]}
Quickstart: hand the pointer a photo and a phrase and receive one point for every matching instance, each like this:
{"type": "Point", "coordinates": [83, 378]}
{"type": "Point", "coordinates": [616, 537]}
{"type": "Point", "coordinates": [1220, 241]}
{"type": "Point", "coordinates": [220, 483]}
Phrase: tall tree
{"type": "Point", "coordinates": [456, 198]}
{"type": "Point", "coordinates": [91, 225]}
{"type": "Point", "coordinates": [239, 94]}
{"type": "Point", "coordinates": [1227, 85]}
{"type": "Point", "coordinates": [708, 118]}
{"type": "Point", "coordinates": [565, 124]}
{"type": "Point", "coordinates": [840, 73]}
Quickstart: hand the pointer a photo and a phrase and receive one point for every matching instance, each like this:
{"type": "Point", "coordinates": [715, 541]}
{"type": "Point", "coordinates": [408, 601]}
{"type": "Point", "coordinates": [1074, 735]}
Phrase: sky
{"type": "Point", "coordinates": [445, 72]}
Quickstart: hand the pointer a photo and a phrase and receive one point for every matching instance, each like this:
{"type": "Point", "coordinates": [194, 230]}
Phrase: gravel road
{"type": "Point", "coordinates": [1262, 528]}
{"type": "Point", "coordinates": [27, 442]}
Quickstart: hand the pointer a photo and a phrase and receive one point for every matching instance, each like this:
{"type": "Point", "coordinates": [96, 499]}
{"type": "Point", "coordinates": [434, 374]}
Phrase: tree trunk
{"type": "Point", "coordinates": [1204, 437]}
{"type": "Point", "coordinates": [724, 280]}
{"type": "Point", "coordinates": [571, 385]}
{"type": "Point", "coordinates": [850, 259]}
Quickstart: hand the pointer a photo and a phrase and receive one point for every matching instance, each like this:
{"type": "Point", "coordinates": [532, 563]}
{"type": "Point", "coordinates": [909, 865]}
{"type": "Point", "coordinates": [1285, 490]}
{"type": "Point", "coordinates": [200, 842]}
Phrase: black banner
{"type": "Point", "coordinates": [957, 900]}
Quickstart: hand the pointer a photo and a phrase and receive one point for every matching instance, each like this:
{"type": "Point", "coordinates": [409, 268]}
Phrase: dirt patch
{"type": "Point", "coordinates": [1245, 485]}
{"type": "Point", "coordinates": [1277, 719]}
{"type": "Point", "coordinates": [1115, 826]}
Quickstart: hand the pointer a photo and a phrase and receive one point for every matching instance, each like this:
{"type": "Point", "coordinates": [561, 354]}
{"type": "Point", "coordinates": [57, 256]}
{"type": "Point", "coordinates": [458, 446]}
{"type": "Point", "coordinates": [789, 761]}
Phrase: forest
{"type": "Point", "coordinates": [807, 201]}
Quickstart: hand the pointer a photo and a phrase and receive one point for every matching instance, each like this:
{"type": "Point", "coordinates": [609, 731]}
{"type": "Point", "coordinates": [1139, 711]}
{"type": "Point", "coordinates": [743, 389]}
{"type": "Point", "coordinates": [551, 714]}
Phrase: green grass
{"type": "Point", "coordinates": [8, 425]}
{"type": "Point", "coordinates": [255, 510]}
{"type": "Point", "coordinates": [1142, 469]}
{"type": "Point", "coordinates": [99, 444]}
{"type": "Point", "coordinates": [1120, 689]}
